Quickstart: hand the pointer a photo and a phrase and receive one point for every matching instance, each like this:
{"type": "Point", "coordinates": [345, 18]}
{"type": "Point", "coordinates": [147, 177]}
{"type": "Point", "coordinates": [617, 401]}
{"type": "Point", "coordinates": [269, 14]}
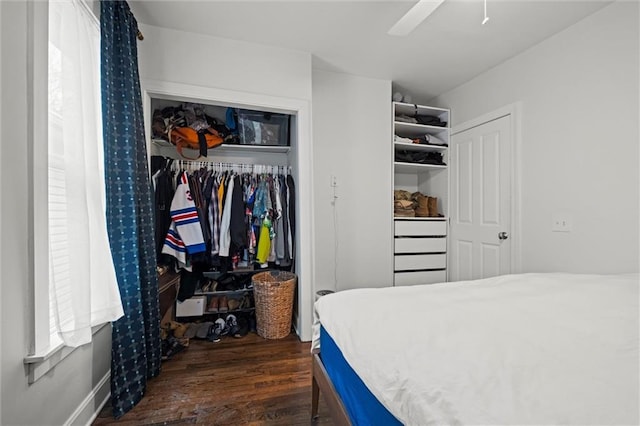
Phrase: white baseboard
{"type": "Point", "coordinates": [89, 409]}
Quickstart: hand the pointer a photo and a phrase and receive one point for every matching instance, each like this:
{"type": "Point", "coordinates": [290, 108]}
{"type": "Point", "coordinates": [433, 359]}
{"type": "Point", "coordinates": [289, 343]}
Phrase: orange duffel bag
{"type": "Point", "coordinates": [186, 137]}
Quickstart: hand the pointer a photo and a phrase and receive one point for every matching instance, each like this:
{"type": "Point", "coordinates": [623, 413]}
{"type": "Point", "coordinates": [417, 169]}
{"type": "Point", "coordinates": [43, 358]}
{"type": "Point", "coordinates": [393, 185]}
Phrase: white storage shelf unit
{"type": "Point", "coordinates": [420, 244]}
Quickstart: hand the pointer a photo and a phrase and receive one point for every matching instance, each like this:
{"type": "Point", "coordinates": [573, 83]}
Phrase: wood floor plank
{"type": "Point", "coordinates": [247, 381]}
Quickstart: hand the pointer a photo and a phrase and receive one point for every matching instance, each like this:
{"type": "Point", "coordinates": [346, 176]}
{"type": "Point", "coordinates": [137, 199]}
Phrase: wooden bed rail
{"type": "Point", "coordinates": [322, 383]}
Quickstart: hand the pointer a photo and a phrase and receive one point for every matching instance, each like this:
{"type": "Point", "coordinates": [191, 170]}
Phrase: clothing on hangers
{"type": "Point", "coordinates": [243, 213]}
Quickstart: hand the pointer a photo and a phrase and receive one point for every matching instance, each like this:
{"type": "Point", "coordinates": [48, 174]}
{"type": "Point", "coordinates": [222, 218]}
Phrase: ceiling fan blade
{"type": "Point", "coordinates": [418, 13]}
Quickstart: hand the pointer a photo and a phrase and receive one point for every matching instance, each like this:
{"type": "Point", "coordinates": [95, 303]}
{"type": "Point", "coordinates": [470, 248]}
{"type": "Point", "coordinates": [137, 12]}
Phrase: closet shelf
{"type": "Point", "coordinates": [416, 167]}
{"type": "Point", "coordinates": [410, 109]}
{"type": "Point", "coordinates": [230, 311]}
{"type": "Point", "coordinates": [231, 148]}
{"type": "Point", "coordinates": [419, 147]}
{"type": "Point", "coordinates": [442, 219]}
{"type": "Point", "coordinates": [411, 130]}
{"type": "Point", "coordinates": [223, 292]}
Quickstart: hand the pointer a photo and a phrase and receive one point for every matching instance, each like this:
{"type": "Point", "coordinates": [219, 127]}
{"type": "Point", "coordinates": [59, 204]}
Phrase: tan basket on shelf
{"type": "Point", "coordinates": [273, 293]}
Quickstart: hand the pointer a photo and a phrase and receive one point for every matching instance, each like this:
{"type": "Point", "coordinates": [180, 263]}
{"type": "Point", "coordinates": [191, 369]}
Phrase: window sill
{"type": "Point", "coordinates": [40, 364]}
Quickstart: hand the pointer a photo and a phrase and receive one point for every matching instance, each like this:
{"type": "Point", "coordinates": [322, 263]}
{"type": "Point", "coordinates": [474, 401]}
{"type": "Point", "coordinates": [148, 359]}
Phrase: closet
{"type": "Point", "coordinates": [262, 158]}
{"type": "Point", "coordinates": [421, 188]}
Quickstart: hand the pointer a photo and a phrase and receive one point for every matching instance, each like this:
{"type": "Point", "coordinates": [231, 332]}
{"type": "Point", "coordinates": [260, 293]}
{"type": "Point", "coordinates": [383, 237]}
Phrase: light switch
{"type": "Point", "coordinates": [561, 222]}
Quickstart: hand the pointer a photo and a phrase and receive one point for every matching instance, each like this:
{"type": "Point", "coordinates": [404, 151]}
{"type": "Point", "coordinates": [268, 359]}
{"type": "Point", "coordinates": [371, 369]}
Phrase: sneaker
{"type": "Point", "coordinates": [216, 331]}
{"type": "Point", "coordinates": [243, 328]}
{"type": "Point", "coordinates": [232, 325]}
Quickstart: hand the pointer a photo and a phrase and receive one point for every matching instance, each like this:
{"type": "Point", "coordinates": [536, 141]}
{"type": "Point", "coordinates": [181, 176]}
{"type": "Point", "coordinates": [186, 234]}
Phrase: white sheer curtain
{"type": "Point", "coordinates": [82, 280]}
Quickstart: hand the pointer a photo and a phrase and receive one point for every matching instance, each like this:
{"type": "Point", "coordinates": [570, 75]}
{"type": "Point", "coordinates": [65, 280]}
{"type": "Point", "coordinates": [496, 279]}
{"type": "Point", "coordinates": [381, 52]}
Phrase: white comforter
{"type": "Point", "coordinates": [511, 350]}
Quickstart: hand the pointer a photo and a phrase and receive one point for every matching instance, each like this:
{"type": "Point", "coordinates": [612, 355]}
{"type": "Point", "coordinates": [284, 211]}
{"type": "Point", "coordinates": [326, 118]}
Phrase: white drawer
{"type": "Point", "coordinates": [420, 261]}
{"type": "Point", "coordinates": [420, 277]}
{"type": "Point", "coordinates": [410, 228]}
{"type": "Point", "coordinates": [420, 245]}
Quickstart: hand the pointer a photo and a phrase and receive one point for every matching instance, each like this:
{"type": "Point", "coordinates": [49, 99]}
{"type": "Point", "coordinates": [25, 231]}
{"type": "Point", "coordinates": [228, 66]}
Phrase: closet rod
{"type": "Point", "coordinates": [191, 165]}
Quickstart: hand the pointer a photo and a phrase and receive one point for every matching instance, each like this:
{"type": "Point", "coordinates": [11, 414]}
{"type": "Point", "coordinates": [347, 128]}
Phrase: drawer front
{"type": "Point", "coordinates": [410, 228]}
{"type": "Point", "coordinates": [421, 277]}
{"type": "Point", "coordinates": [420, 245]}
{"type": "Point", "coordinates": [420, 261]}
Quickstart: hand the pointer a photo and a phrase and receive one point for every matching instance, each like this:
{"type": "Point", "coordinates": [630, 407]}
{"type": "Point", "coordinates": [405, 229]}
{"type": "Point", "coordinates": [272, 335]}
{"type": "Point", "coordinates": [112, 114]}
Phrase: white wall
{"type": "Point", "coordinates": [579, 91]}
{"type": "Point", "coordinates": [352, 141]}
{"type": "Point", "coordinates": [240, 73]}
{"type": "Point", "coordinates": [75, 377]}
{"type": "Point", "coordinates": [199, 60]}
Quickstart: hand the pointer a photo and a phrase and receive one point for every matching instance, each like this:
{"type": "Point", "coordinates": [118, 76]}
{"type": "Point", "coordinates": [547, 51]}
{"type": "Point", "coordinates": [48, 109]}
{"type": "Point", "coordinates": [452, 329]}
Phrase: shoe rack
{"type": "Point", "coordinates": [226, 301]}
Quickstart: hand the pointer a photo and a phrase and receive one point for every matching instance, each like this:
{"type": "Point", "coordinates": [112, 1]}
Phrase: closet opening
{"type": "Point", "coordinates": [245, 189]}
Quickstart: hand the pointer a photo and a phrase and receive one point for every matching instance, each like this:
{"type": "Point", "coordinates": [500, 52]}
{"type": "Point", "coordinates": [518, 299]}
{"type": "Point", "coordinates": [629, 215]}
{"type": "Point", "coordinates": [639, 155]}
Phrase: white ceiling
{"type": "Point", "coordinates": [449, 48]}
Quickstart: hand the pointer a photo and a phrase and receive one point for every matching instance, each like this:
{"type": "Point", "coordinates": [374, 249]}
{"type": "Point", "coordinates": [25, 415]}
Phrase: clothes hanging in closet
{"type": "Point", "coordinates": [226, 219]}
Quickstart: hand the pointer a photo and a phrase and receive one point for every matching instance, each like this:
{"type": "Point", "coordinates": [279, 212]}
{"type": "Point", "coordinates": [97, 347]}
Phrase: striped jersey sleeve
{"type": "Point", "coordinates": [185, 217]}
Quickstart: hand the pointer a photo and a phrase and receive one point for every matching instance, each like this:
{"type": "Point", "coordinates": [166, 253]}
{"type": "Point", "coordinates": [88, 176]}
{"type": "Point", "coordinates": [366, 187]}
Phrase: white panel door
{"type": "Point", "coordinates": [480, 209]}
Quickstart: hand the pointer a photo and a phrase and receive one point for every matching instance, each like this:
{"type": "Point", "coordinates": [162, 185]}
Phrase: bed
{"type": "Point", "coordinates": [515, 349]}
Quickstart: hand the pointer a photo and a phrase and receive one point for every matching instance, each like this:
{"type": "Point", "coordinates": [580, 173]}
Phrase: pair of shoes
{"type": "Point", "coordinates": [245, 303]}
{"type": "Point", "coordinates": [210, 285]}
{"type": "Point", "coordinates": [218, 304]}
{"type": "Point", "coordinates": [216, 330]}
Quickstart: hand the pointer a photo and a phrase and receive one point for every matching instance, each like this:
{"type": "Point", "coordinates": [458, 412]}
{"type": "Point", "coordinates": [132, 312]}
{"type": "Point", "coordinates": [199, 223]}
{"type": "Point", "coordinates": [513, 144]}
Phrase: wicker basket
{"type": "Point", "coordinates": [273, 292]}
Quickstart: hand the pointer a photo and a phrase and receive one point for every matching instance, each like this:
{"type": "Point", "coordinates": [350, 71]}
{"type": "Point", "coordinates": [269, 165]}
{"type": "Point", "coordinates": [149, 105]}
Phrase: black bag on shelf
{"type": "Point", "coordinates": [430, 120]}
{"type": "Point", "coordinates": [419, 157]}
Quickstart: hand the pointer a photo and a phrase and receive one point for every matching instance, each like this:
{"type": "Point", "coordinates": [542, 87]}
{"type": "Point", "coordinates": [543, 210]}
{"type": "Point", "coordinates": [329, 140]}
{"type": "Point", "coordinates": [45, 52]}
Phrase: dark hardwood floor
{"type": "Point", "coordinates": [247, 381]}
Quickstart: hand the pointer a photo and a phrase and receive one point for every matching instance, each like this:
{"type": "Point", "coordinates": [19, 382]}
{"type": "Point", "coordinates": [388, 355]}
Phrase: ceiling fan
{"type": "Point", "coordinates": [418, 13]}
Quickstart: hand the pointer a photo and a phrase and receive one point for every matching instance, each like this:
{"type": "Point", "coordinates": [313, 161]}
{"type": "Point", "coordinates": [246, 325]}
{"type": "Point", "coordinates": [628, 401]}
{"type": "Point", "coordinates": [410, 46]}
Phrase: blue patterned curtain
{"type": "Point", "coordinates": [135, 351]}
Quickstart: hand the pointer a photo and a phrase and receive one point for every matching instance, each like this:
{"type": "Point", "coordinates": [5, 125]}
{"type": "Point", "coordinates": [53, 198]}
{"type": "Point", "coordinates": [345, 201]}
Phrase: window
{"type": "Point", "coordinates": [82, 287]}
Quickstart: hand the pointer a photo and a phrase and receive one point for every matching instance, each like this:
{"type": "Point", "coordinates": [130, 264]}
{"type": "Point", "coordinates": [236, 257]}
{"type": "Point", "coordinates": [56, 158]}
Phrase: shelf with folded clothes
{"type": "Point", "coordinates": [415, 156]}
{"type": "Point", "coordinates": [401, 167]}
{"type": "Point", "coordinates": [426, 218]}
{"type": "Point", "coordinates": [411, 130]}
{"type": "Point", "coordinates": [404, 108]}
{"type": "Point", "coordinates": [418, 147]}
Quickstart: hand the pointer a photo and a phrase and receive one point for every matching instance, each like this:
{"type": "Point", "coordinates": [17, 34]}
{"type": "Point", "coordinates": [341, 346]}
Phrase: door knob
{"type": "Point", "coordinates": [503, 235]}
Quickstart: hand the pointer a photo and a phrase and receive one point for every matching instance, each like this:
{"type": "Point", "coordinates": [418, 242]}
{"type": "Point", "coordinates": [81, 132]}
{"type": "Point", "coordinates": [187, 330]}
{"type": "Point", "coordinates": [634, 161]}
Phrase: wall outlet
{"type": "Point", "coordinates": [334, 181]}
{"type": "Point", "coordinates": [561, 222]}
